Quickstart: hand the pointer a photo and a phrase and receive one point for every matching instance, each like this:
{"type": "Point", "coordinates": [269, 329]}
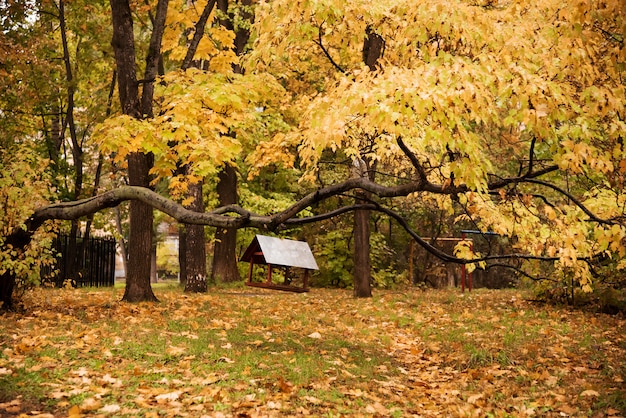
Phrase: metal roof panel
{"type": "Point", "coordinates": [286, 252]}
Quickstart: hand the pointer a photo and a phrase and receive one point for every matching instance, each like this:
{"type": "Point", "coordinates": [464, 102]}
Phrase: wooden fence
{"type": "Point", "coordinates": [94, 263]}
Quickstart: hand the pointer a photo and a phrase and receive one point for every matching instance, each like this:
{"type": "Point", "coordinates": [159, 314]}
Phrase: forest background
{"type": "Point", "coordinates": [366, 128]}
{"type": "Point", "coordinates": [421, 119]}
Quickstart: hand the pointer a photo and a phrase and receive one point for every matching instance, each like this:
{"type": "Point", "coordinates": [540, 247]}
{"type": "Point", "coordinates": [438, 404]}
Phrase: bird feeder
{"type": "Point", "coordinates": [279, 253]}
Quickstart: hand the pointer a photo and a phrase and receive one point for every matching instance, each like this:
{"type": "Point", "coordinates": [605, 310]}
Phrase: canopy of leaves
{"type": "Point", "coordinates": [483, 97]}
{"type": "Point", "coordinates": [507, 115]}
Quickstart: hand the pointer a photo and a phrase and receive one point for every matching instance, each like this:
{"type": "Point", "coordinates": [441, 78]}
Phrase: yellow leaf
{"type": "Point", "coordinates": [474, 398]}
{"type": "Point", "coordinates": [174, 351]}
{"type": "Point", "coordinates": [90, 404]}
{"type": "Point", "coordinates": [74, 412]}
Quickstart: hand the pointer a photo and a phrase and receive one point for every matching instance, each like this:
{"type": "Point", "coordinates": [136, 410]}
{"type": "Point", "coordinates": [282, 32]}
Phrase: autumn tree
{"type": "Point", "coordinates": [204, 112]}
{"type": "Point", "coordinates": [496, 111]}
{"type": "Point", "coordinates": [236, 16]}
{"type": "Point", "coordinates": [192, 240]}
{"type": "Point", "coordinates": [47, 66]}
{"type": "Point", "coordinates": [507, 115]}
{"type": "Point", "coordinates": [139, 163]}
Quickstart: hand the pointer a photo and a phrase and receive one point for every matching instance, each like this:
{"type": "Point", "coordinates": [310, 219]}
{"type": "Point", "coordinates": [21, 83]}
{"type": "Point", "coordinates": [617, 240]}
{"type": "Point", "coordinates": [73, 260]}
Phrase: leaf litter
{"type": "Point", "coordinates": [412, 353]}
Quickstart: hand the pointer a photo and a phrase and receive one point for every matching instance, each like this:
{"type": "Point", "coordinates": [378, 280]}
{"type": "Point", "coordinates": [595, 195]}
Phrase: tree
{"type": "Point", "coordinates": [43, 108]}
{"type": "Point", "coordinates": [508, 116]}
{"type": "Point", "coordinates": [236, 17]}
{"type": "Point", "coordinates": [139, 163]}
{"type": "Point", "coordinates": [192, 241]}
{"type": "Point", "coordinates": [373, 47]}
{"type": "Point", "coordinates": [459, 104]}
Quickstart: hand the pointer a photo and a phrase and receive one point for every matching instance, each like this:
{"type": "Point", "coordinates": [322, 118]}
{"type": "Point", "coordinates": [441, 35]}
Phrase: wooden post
{"type": "Point", "coordinates": [250, 271]}
{"type": "Point", "coordinates": [269, 273]}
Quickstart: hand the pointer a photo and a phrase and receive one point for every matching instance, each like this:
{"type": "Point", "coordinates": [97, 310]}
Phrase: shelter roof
{"type": "Point", "coordinates": [280, 252]}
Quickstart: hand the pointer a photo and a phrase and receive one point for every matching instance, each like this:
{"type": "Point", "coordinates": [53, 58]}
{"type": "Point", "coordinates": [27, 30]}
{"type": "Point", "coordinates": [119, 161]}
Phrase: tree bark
{"type": "Point", "coordinates": [373, 47]}
{"type": "Point", "coordinates": [182, 251]}
{"type": "Point", "coordinates": [224, 266]}
{"type": "Point", "coordinates": [362, 264]}
{"type": "Point", "coordinates": [7, 284]}
{"type": "Point", "coordinates": [191, 238]}
{"type": "Point", "coordinates": [195, 251]}
{"type": "Point", "coordinates": [139, 164]}
{"type": "Point", "coordinates": [140, 235]}
{"type": "Point", "coordinates": [73, 254]}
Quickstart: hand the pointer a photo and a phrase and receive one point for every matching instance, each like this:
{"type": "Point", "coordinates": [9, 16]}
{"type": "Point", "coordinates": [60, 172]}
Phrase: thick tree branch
{"type": "Point", "coordinates": [198, 34]}
{"type": "Point", "coordinates": [152, 60]}
{"type": "Point", "coordinates": [450, 258]}
{"type": "Point", "coordinates": [223, 217]}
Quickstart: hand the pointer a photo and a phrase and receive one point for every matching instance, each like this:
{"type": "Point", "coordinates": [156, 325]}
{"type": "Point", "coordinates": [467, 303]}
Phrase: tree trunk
{"type": "Point", "coordinates": [195, 251]}
{"type": "Point", "coordinates": [140, 236]}
{"type": "Point", "coordinates": [139, 164]}
{"type": "Point", "coordinates": [122, 242]}
{"type": "Point", "coordinates": [362, 264]}
{"type": "Point", "coordinates": [373, 48]}
{"type": "Point", "coordinates": [7, 283]}
{"type": "Point", "coordinates": [73, 255]}
{"type": "Point", "coordinates": [224, 266]}
{"type": "Point", "coordinates": [191, 238]}
{"type": "Point", "coordinates": [182, 251]}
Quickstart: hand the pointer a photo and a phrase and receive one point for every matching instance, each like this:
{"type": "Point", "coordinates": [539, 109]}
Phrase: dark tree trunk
{"type": "Point", "coordinates": [18, 241]}
{"type": "Point", "coordinates": [7, 283]}
{"type": "Point", "coordinates": [373, 48]}
{"type": "Point", "coordinates": [362, 265]}
{"type": "Point", "coordinates": [191, 238]}
{"type": "Point", "coordinates": [139, 164]}
{"type": "Point", "coordinates": [123, 44]}
{"type": "Point", "coordinates": [224, 266]}
{"type": "Point", "coordinates": [73, 254]}
{"type": "Point", "coordinates": [140, 236]}
{"type": "Point", "coordinates": [195, 251]}
{"type": "Point", "coordinates": [182, 251]}
{"type": "Point", "coordinates": [71, 268]}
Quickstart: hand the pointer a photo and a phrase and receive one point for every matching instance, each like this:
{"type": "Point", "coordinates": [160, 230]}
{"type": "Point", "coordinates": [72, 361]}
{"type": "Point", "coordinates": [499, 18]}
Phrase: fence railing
{"type": "Point", "coordinates": [94, 262]}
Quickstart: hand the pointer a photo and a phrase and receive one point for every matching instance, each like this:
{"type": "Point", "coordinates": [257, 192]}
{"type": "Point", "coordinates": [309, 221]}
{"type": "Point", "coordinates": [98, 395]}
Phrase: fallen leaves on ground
{"type": "Point", "coordinates": [262, 353]}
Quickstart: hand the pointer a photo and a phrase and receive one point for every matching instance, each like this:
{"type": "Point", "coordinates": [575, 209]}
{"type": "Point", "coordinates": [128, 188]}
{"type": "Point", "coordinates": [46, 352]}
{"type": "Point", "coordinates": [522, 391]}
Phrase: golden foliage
{"type": "Point", "coordinates": [486, 83]}
{"type": "Point", "coordinates": [233, 352]}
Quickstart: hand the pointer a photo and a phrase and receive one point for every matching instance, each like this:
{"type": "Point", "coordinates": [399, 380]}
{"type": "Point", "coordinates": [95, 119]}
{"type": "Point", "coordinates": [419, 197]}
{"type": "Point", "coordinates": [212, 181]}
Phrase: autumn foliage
{"type": "Point", "coordinates": [502, 116]}
{"type": "Point", "coordinates": [237, 352]}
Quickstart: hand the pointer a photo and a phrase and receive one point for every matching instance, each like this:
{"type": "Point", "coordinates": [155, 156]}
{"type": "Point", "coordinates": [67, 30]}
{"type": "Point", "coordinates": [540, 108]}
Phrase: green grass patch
{"type": "Point", "coordinates": [239, 351]}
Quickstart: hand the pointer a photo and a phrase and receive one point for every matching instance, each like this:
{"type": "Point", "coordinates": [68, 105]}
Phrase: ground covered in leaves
{"type": "Point", "coordinates": [250, 352]}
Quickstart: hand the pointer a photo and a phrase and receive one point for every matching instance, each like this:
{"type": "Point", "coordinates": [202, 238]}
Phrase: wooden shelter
{"type": "Point", "coordinates": [281, 253]}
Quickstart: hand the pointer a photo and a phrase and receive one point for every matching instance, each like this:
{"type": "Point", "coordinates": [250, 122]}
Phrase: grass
{"type": "Point", "coordinates": [237, 351]}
